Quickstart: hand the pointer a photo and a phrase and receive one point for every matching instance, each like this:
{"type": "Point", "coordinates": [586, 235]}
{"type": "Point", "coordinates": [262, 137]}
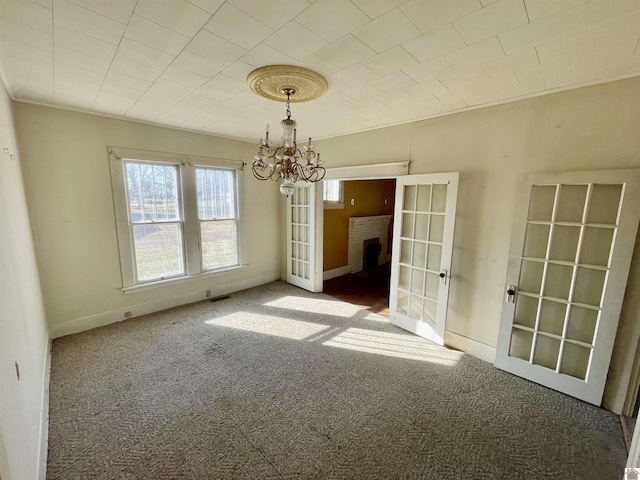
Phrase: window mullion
{"type": "Point", "coordinates": [191, 225]}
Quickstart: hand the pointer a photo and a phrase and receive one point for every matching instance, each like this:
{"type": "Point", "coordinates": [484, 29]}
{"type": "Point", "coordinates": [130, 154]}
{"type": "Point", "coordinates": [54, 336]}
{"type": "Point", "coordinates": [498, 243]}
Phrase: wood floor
{"type": "Point", "coordinates": [370, 292]}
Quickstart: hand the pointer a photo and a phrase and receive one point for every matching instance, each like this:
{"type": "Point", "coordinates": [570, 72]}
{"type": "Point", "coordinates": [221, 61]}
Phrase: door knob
{"type": "Point", "coordinates": [443, 277]}
{"type": "Point", "coordinates": [511, 293]}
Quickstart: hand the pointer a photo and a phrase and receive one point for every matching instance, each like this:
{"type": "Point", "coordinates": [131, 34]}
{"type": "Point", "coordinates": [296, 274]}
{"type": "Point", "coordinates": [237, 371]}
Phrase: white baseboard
{"type": "Point", "coordinates": [336, 272]}
{"type": "Point", "coordinates": [44, 414]}
{"type": "Point", "coordinates": [105, 318]}
{"type": "Point", "coordinates": [472, 347]}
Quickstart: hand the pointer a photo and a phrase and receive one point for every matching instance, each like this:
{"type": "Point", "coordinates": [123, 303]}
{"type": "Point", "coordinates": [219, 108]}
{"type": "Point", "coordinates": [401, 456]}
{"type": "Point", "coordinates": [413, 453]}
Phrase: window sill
{"type": "Point", "coordinates": [333, 205]}
{"type": "Point", "coordinates": [143, 287]}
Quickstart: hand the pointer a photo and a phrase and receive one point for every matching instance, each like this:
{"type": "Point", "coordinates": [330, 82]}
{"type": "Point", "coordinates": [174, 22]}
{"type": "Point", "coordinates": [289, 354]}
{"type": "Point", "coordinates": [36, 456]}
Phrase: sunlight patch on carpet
{"type": "Point", "coordinates": [393, 345]}
{"type": "Point", "coordinates": [267, 325]}
{"type": "Point", "coordinates": [315, 305]}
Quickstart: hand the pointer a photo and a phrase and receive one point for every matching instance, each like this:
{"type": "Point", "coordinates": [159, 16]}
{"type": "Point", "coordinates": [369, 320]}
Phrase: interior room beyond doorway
{"type": "Point", "coordinates": [357, 243]}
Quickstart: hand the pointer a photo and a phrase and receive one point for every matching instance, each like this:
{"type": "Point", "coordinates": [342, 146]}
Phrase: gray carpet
{"type": "Point", "coordinates": [276, 382]}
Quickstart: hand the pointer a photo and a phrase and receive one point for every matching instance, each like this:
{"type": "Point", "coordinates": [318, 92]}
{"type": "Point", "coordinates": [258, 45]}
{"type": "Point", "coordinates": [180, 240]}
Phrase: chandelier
{"type": "Point", "coordinates": [286, 162]}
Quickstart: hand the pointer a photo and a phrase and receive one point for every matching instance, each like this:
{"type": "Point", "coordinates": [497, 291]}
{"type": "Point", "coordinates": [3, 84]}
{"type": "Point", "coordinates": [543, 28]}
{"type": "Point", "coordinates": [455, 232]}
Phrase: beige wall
{"type": "Point", "coordinates": [68, 184]}
{"type": "Point", "coordinates": [589, 128]}
{"type": "Point", "coordinates": [369, 197]}
{"type": "Point", "coordinates": [24, 337]}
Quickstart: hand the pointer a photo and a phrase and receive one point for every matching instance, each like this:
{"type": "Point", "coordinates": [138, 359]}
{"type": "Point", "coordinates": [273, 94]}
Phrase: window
{"type": "Point", "coordinates": [332, 194]}
{"type": "Point", "coordinates": [217, 217]}
{"type": "Point", "coordinates": [177, 217]}
{"type": "Point", "coordinates": [155, 213]}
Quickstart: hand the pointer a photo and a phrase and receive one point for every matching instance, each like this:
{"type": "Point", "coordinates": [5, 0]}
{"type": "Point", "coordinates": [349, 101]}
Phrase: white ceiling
{"type": "Point", "coordinates": [184, 63]}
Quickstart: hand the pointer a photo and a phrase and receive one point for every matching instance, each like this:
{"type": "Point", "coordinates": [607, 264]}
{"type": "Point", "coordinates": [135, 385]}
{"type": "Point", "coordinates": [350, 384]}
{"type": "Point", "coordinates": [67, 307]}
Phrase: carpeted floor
{"type": "Point", "coordinates": [276, 382]}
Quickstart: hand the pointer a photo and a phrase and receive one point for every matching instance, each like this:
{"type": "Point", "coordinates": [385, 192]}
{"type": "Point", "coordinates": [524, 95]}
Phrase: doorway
{"type": "Point", "coordinates": [357, 242]}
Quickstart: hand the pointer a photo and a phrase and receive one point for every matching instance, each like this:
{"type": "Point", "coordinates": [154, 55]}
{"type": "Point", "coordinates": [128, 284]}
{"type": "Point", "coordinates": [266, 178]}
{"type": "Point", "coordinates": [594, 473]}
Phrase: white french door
{"type": "Point", "coordinates": [572, 241]}
{"type": "Point", "coordinates": [424, 219]}
{"type": "Point", "coordinates": [301, 237]}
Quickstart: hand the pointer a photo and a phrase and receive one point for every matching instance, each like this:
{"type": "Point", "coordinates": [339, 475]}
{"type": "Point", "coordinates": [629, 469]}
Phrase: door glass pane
{"type": "Point", "coordinates": [535, 243]}
{"type": "Point", "coordinates": [429, 310]}
{"type": "Point", "coordinates": [604, 204]}
{"type": "Point", "coordinates": [403, 302]}
{"type": "Point", "coordinates": [564, 243]}
{"type": "Point", "coordinates": [589, 284]}
{"type": "Point", "coordinates": [582, 324]}
{"type": "Point", "coordinates": [407, 225]}
{"type": "Point", "coordinates": [434, 257]}
{"type": "Point", "coordinates": [436, 229]}
{"type": "Point", "coordinates": [419, 255]}
{"type": "Point", "coordinates": [531, 276]}
{"type": "Point", "coordinates": [409, 198]}
{"type": "Point", "coordinates": [558, 281]}
{"type": "Point", "coordinates": [521, 341]}
{"type": "Point", "coordinates": [306, 271]}
{"type": "Point", "coordinates": [218, 241]}
{"type": "Point", "coordinates": [405, 251]}
{"type": "Point", "coordinates": [439, 201]}
{"type": "Point", "coordinates": [158, 251]}
{"type": "Point", "coordinates": [575, 360]}
{"type": "Point", "coordinates": [417, 282]}
{"type": "Point", "coordinates": [432, 285]}
{"type": "Point", "coordinates": [424, 198]}
{"type": "Point", "coordinates": [422, 226]}
{"type": "Point", "coordinates": [571, 203]}
{"type": "Point", "coordinates": [547, 350]}
{"type": "Point", "coordinates": [526, 311]}
{"type": "Point", "coordinates": [403, 277]}
{"type": "Point", "coordinates": [541, 202]}
{"type": "Point", "coordinates": [552, 317]}
{"type": "Point", "coordinates": [415, 307]}
{"type": "Point", "coordinates": [596, 246]}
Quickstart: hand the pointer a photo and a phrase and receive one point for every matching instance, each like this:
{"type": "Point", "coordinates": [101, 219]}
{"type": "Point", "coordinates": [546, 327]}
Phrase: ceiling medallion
{"type": "Point", "coordinates": [285, 161]}
{"type": "Point", "coordinates": [273, 81]}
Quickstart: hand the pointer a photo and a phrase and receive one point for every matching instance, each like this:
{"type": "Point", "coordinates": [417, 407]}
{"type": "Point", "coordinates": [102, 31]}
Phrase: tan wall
{"type": "Point", "coordinates": [24, 337]}
{"type": "Point", "coordinates": [68, 184]}
{"type": "Point", "coordinates": [588, 128]}
{"type": "Point", "coordinates": [369, 197]}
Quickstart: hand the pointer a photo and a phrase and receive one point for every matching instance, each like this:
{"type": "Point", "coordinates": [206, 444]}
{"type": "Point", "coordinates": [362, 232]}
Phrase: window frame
{"type": "Point", "coordinates": [131, 224]}
{"type": "Point", "coordinates": [334, 204]}
{"type": "Point", "coordinates": [235, 218]}
{"type": "Point", "coordinates": [187, 192]}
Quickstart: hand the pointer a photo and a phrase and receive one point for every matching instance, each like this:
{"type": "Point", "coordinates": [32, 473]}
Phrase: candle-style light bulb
{"type": "Point", "coordinates": [267, 133]}
{"type": "Point", "coordinates": [295, 132]}
{"type": "Point", "coordinates": [309, 147]}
